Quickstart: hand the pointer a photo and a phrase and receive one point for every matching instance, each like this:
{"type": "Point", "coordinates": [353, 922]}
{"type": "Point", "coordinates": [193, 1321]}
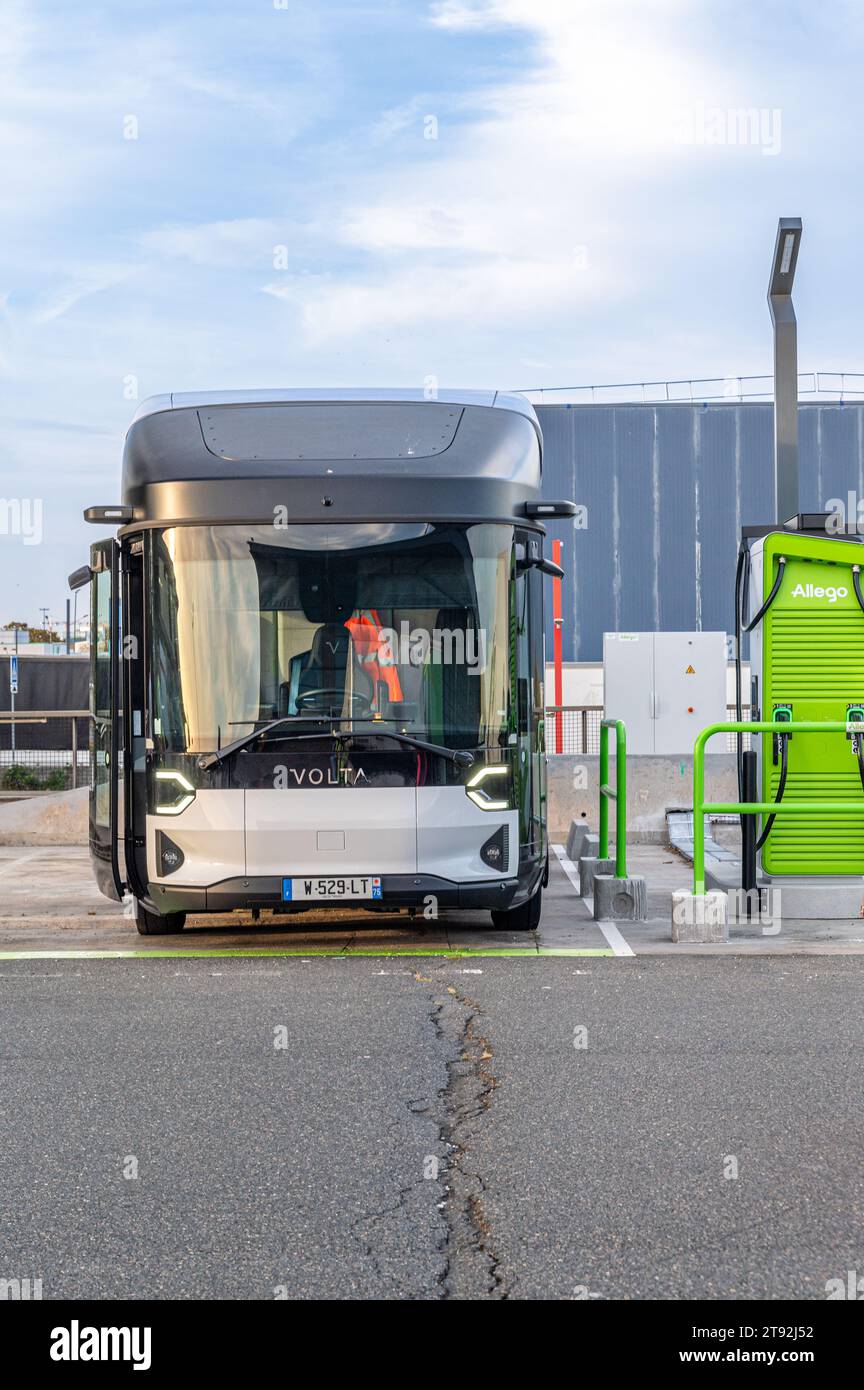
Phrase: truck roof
{"type": "Point", "coordinates": [368, 445]}
{"type": "Point", "coordinates": [182, 400]}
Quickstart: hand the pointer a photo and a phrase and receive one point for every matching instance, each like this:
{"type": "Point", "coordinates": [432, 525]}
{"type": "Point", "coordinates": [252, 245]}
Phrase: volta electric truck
{"type": "Point", "coordinates": [317, 657]}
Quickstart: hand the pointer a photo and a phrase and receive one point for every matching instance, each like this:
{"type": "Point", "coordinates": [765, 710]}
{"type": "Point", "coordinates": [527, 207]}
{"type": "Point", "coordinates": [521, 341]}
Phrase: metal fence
{"type": "Point", "coordinates": [831, 385]}
{"type": "Point", "coordinates": [579, 727]}
{"type": "Point", "coordinates": [573, 728]}
{"type": "Point", "coordinates": [44, 751]}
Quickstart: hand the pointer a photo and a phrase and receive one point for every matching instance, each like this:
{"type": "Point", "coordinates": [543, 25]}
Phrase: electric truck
{"type": "Point", "coordinates": [317, 657]}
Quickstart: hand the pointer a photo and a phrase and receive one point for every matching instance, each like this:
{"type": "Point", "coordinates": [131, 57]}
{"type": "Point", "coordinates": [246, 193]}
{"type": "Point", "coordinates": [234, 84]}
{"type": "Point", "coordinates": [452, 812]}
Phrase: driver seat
{"type": "Point", "coordinates": [326, 668]}
{"type": "Point", "coordinates": [327, 663]}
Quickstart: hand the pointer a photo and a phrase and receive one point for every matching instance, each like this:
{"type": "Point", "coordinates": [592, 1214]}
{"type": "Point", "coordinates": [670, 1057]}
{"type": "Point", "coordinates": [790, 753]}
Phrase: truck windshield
{"type": "Point", "coordinates": [407, 623]}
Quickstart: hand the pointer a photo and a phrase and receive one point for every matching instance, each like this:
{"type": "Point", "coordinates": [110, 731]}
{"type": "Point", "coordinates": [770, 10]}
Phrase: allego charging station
{"type": "Point", "coordinates": [799, 592]}
{"type": "Point", "coordinates": [798, 595]}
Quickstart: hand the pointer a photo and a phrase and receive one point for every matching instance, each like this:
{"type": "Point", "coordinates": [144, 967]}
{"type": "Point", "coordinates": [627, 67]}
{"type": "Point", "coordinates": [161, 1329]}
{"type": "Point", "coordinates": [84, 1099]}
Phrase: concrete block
{"type": "Point", "coordinates": [576, 835]}
{"type": "Point", "coordinates": [620, 899]}
{"type": "Point", "coordinates": [51, 818]}
{"type": "Point", "coordinates": [699, 918]}
{"type": "Point", "coordinates": [590, 846]}
{"type": "Point", "coordinates": [589, 867]}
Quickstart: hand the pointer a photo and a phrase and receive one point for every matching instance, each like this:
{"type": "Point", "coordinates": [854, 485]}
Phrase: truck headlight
{"type": "Point", "coordinates": [489, 798]}
{"type": "Point", "coordinates": [184, 792]}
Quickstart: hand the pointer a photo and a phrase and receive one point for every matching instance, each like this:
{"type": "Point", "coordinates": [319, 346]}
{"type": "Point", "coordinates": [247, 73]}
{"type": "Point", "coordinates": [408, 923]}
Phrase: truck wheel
{"type": "Point", "coordinates": [153, 924]}
{"type": "Point", "coordinates": [523, 918]}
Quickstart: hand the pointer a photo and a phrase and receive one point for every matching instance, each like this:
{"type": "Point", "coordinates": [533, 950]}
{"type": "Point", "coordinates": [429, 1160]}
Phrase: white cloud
{"type": "Point", "coordinates": [499, 292]}
{"type": "Point", "coordinates": [53, 303]}
{"type": "Point", "coordinates": [16, 32]}
{"type": "Point", "coordinates": [514, 213]}
{"type": "Point", "coordinates": [398, 118]}
{"type": "Point", "coordinates": [237, 242]}
{"type": "Point", "coordinates": [549, 15]}
{"type": "Point", "coordinates": [469, 14]}
{"type": "Point", "coordinates": [421, 227]}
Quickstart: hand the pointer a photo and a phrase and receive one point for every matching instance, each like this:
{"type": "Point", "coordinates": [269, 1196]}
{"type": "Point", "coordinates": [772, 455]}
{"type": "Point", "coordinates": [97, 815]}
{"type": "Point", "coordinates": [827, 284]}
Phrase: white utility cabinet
{"type": "Point", "coordinates": [666, 686]}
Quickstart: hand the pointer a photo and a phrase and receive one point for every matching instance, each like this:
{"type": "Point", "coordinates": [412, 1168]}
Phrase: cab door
{"type": "Point", "coordinates": [105, 722]}
{"type": "Point", "coordinates": [527, 673]}
{"type": "Point", "coordinates": [537, 709]}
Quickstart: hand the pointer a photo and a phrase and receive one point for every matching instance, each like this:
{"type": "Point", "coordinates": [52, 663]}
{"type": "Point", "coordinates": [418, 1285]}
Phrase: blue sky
{"type": "Point", "coordinates": [588, 212]}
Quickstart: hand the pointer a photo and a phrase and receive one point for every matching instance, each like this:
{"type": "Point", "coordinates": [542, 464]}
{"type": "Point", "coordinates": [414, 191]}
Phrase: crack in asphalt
{"type": "Point", "coordinates": [472, 1269]}
{"type": "Point", "coordinates": [469, 1264]}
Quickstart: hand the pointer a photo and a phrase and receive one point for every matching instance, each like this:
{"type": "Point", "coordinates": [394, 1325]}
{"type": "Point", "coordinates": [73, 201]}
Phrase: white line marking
{"type": "Point", "coordinates": [609, 930]}
{"type": "Point", "coordinates": [8, 867]}
{"type": "Point", "coordinates": [615, 939]}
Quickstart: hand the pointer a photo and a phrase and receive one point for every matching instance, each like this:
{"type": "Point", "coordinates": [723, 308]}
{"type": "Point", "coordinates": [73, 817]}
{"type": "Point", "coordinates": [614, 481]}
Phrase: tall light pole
{"type": "Point", "coordinates": [786, 499]}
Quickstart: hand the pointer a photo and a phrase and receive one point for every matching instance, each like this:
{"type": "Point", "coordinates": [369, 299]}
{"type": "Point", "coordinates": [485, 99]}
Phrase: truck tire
{"type": "Point", "coordinates": [526, 917]}
{"type": "Point", "coordinates": [154, 924]}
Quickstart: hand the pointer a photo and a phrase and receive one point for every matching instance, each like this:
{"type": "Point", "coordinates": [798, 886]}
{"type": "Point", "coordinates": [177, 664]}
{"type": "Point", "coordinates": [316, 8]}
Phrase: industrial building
{"type": "Point", "coordinates": [667, 487]}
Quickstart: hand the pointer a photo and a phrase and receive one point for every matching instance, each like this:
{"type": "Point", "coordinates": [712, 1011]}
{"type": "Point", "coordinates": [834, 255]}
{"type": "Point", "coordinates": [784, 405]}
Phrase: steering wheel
{"type": "Point", "coordinates": [313, 698]}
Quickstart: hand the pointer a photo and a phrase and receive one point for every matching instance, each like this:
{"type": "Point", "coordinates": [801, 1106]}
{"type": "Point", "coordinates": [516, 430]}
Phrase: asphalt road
{"type": "Point", "coordinates": [309, 1169]}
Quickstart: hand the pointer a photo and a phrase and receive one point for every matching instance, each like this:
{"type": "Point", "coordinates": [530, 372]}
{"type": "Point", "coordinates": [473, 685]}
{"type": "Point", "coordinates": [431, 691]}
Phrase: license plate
{"type": "Point", "coordinates": [360, 886]}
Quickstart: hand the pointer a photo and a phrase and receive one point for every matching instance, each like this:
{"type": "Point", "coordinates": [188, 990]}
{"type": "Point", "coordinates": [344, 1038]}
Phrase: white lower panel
{"type": "Point", "coordinates": [211, 835]}
{"type": "Point", "coordinates": [336, 830]}
{"type": "Point", "coordinates": [451, 829]}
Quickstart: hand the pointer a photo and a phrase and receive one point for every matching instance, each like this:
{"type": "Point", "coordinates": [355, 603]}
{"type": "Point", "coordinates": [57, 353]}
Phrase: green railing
{"type": "Point", "coordinates": [703, 808]}
{"type": "Point", "coordinates": [619, 795]}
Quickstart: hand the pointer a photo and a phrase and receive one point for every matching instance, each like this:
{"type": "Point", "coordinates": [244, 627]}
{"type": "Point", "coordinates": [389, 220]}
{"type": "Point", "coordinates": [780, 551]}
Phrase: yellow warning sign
{"type": "Point", "coordinates": [691, 671]}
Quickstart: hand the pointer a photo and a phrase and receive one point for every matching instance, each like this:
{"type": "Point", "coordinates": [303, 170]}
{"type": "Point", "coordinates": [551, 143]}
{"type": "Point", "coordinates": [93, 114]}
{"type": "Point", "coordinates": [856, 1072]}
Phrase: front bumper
{"type": "Point", "coordinates": [397, 890]}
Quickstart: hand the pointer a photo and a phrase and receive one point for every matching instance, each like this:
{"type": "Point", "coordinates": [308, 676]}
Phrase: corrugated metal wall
{"type": "Point", "coordinates": [667, 488]}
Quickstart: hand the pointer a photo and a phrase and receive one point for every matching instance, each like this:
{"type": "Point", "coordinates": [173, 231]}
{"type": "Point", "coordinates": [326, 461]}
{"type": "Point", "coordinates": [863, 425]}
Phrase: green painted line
{"type": "Point", "coordinates": [574, 951]}
{"type": "Point", "coordinates": [383, 952]}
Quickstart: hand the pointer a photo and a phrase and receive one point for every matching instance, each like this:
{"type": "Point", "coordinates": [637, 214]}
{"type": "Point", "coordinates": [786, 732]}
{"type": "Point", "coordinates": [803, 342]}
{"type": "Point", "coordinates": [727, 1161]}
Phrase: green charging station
{"type": "Point", "coordinates": [799, 595]}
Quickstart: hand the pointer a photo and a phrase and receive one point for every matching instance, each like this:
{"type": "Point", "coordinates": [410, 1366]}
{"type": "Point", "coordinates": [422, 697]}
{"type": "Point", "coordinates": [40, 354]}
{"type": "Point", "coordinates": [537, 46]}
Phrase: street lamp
{"type": "Point", "coordinates": [786, 500]}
